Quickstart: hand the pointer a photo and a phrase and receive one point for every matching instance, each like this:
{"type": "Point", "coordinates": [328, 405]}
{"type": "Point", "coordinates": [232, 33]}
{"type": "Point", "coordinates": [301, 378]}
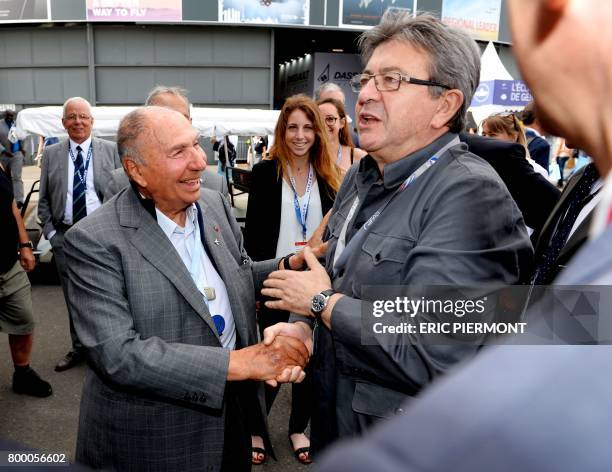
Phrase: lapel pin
{"type": "Point", "coordinates": [216, 228]}
{"type": "Point", "coordinates": [217, 242]}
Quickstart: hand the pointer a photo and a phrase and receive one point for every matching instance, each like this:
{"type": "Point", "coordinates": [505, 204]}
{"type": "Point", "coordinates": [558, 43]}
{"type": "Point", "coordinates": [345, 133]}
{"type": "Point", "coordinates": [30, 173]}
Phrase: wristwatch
{"type": "Point", "coordinates": [319, 302]}
{"type": "Point", "coordinates": [26, 244]}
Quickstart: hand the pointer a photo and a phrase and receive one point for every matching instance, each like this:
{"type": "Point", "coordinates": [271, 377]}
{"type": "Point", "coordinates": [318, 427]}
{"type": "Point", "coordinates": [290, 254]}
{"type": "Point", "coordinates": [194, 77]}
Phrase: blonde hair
{"type": "Point", "coordinates": [507, 123]}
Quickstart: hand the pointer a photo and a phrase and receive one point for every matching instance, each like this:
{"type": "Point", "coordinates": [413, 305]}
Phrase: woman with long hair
{"type": "Point", "coordinates": [341, 145]}
{"type": "Point", "coordinates": [289, 194]}
{"type": "Point", "coordinates": [507, 127]}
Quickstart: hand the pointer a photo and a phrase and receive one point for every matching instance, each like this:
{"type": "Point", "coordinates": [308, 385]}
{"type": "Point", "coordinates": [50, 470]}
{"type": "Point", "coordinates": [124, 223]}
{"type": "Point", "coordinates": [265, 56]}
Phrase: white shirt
{"type": "Point", "coordinates": [290, 227]}
{"type": "Point", "coordinates": [183, 240]}
{"type": "Point", "coordinates": [92, 202]}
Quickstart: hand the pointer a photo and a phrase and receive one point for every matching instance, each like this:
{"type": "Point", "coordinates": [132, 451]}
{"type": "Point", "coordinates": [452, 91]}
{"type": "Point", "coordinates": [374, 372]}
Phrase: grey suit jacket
{"type": "Point", "coordinates": [527, 408]}
{"type": "Point", "coordinates": [154, 399]}
{"type": "Point", "coordinates": [54, 178]}
{"type": "Point", "coordinates": [119, 181]}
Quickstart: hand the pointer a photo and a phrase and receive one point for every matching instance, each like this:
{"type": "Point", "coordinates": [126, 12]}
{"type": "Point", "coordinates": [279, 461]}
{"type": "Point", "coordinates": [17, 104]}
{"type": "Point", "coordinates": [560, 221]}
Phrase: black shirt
{"type": "Point", "coordinates": [9, 235]}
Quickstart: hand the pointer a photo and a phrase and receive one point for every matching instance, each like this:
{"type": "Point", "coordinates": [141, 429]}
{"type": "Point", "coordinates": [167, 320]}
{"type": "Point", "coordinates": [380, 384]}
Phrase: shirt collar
{"type": "Point", "coordinates": [168, 226]}
{"type": "Point", "coordinates": [535, 132]}
{"type": "Point", "coordinates": [398, 171]}
{"type": "Point", "coordinates": [84, 145]}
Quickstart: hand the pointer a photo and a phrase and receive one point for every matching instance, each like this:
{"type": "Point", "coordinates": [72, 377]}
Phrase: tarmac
{"type": "Point", "coordinates": [50, 424]}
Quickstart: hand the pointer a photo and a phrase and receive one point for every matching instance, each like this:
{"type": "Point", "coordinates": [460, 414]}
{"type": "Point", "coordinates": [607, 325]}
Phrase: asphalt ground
{"type": "Point", "coordinates": [50, 424]}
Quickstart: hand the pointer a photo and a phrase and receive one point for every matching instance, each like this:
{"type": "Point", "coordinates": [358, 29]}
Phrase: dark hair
{"type": "Point", "coordinates": [528, 115]}
{"type": "Point", "coordinates": [345, 136]}
{"type": "Point", "coordinates": [454, 57]}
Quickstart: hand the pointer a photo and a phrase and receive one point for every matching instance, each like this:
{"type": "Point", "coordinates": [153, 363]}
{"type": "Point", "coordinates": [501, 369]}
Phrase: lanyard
{"type": "Point", "coordinates": [83, 176]}
{"type": "Point", "coordinates": [194, 271]}
{"type": "Point", "coordinates": [301, 213]}
{"type": "Point", "coordinates": [339, 157]}
{"type": "Point", "coordinates": [342, 254]}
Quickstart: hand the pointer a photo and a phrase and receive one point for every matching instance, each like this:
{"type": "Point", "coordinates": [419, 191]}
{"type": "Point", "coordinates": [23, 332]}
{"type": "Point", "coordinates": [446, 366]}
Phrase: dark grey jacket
{"type": "Point", "coordinates": [456, 225]}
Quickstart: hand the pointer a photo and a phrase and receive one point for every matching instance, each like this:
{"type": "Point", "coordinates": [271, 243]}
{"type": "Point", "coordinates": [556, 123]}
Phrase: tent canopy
{"type": "Point", "coordinates": [47, 121]}
{"type": "Point", "coordinates": [497, 90]}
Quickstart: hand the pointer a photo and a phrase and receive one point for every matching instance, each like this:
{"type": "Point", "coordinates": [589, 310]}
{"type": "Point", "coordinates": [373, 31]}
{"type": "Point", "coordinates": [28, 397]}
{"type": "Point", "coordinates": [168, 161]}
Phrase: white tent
{"type": "Point", "coordinates": [497, 90]}
{"type": "Point", "coordinates": [47, 121]}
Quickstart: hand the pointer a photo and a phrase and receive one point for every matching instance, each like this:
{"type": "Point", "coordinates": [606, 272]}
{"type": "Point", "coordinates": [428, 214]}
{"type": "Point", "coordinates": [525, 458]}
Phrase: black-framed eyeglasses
{"type": "Point", "coordinates": [389, 81]}
{"type": "Point", "coordinates": [331, 120]}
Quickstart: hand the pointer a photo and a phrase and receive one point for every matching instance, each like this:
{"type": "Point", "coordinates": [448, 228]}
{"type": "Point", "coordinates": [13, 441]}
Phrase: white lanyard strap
{"type": "Point", "coordinates": [341, 254]}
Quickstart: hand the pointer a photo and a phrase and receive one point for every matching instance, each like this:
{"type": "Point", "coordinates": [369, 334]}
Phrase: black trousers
{"type": "Point", "coordinates": [237, 438]}
{"type": "Point", "coordinates": [301, 394]}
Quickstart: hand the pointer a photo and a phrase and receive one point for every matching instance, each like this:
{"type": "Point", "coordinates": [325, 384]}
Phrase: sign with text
{"type": "Point", "coordinates": [268, 12]}
{"type": "Point", "coordinates": [502, 92]}
{"type": "Point", "coordinates": [362, 14]}
{"type": "Point", "coordinates": [23, 11]}
{"type": "Point", "coordinates": [480, 18]}
{"type": "Point", "coordinates": [134, 10]}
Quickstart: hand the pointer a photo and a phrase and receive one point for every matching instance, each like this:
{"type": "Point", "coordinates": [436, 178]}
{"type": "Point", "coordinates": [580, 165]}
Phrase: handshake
{"type": "Point", "coordinates": [281, 356]}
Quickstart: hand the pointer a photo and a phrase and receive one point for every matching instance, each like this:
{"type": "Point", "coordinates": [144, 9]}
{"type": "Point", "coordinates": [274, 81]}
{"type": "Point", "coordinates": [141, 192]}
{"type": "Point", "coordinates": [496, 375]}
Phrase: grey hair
{"type": "Point", "coordinates": [163, 89]}
{"type": "Point", "coordinates": [131, 127]}
{"type": "Point", "coordinates": [74, 99]}
{"type": "Point", "coordinates": [454, 57]}
{"type": "Point", "coordinates": [327, 87]}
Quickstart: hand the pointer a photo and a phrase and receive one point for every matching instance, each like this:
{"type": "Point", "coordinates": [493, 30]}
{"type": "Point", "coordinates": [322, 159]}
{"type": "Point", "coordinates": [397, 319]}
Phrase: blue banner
{"type": "Point", "coordinates": [502, 92]}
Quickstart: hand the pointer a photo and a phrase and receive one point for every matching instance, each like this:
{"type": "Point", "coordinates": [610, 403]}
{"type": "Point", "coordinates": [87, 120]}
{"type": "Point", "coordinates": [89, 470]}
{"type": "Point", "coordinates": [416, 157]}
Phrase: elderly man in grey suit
{"type": "Point", "coordinates": [176, 99]}
{"type": "Point", "coordinates": [529, 408]}
{"type": "Point", "coordinates": [74, 174]}
{"type": "Point", "coordinates": [164, 299]}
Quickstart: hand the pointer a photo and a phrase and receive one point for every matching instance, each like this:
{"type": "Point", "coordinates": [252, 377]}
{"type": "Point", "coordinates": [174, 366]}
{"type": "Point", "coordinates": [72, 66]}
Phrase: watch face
{"type": "Point", "coordinates": [318, 303]}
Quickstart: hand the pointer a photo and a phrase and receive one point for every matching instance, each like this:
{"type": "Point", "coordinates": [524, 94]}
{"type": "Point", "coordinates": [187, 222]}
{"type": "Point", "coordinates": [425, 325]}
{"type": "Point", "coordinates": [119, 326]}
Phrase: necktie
{"type": "Point", "coordinates": [547, 269]}
{"type": "Point", "coordinates": [79, 207]}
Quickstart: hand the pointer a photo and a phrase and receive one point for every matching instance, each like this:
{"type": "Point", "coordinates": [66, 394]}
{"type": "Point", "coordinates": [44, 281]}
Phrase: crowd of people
{"type": "Point", "coordinates": [189, 324]}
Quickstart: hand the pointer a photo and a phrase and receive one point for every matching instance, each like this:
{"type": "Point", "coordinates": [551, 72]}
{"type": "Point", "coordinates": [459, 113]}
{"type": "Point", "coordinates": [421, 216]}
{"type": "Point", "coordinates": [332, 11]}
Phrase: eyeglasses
{"type": "Point", "coordinates": [73, 117]}
{"type": "Point", "coordinates": [331, 120]}
{"type": "Point", "coordinates": [389, 81]}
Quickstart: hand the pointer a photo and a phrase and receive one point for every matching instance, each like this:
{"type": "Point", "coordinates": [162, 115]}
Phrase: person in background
{"type": "Point", "coordinates": [539, 148]}
{"type": "Point", "coordinates": [17, 258]}
{"type": "Point", "coordinates": [507, 127]}
{"type": "Point", "coordinates": [341, 145]}
{"type": "Point", "coordinates": [289, 195]}
{"type": "Point", "coordinates": [563, 154]}
{"type": "Point", "coordinates": [74, 176]}
{"type": "Point", "coordinates": [11, 156]}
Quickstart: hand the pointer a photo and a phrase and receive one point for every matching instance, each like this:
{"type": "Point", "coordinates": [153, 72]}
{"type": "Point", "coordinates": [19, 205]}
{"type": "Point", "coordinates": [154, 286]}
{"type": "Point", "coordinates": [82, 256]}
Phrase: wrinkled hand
{"type": "Point", "coordinates": [27, 259]}
{"type": "Point", "coordinates": [282, 360]}
{"type": "Point", "coordinates": [294, 290]}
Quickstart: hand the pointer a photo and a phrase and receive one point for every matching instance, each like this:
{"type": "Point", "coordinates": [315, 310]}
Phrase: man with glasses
{"type": "Point", "coordinates": [419, 210]}
{"type": "Point", "coordinates": [74, 175]}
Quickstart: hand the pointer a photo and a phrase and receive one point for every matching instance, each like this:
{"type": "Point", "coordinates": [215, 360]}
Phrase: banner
{"type": "Point", "coordinates": [508, 93]}
{"type": "Point", "coordinates": [362, 14]}
{"type": "Point", "coordinates": [24, 11]}
{"type": "Point", "coordinates": [269, 12]}
{"type": "Point", "coordinates": [338, 68]}
{"type": "Point", "coordinates": [134, 10]}
{"type": "Point", "coordinates": [480, 18]}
